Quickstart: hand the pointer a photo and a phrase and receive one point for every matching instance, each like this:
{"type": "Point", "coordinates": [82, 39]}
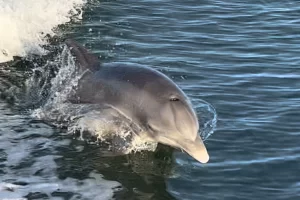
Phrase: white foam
{"type": "Point", "coordinates": [108, 123]}
{"type": "Point", "coordinates": [24, 24]}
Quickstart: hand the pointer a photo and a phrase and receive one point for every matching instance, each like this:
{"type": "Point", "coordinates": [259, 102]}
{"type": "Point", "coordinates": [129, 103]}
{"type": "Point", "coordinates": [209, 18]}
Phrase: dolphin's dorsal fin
{"type": "Point", "coordinates": [83, 56]}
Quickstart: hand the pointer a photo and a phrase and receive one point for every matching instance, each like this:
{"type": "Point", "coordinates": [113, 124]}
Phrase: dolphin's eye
{"type": "Point", "coordinates": [174, 99]}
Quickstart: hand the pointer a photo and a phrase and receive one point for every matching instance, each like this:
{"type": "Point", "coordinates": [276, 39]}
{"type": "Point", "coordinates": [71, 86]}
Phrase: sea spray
{"type": "Point", "coordinates": [25, 24]}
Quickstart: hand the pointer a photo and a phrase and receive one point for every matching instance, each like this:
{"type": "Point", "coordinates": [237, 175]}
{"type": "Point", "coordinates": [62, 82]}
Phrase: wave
{"type": "Point", "coordinates": [26, 24]}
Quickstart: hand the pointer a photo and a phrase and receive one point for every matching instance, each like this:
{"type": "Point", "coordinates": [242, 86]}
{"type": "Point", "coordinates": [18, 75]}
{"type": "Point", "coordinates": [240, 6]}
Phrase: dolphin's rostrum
{"type": "Point", "coordinates": [145, 96]}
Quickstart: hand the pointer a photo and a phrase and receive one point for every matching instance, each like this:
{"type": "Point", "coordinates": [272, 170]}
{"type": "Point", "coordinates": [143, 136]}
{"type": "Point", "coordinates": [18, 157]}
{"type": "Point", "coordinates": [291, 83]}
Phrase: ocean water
{"type": "Point", "coordinates": [242, 57]}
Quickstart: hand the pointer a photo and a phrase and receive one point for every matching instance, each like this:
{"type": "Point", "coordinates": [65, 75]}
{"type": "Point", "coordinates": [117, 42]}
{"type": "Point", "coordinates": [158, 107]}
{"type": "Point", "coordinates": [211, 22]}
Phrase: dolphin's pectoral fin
{"type": "Point", "coordinates": [83, 57]}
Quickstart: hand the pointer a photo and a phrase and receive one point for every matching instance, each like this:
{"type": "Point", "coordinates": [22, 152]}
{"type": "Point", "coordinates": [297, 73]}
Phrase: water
{"type": "Point", "coordinates": [240, 56]}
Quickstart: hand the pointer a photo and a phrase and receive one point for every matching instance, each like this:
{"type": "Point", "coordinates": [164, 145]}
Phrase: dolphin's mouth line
{"type": "Point", "coordinates": [170, 142]}
{"type": "Point", "coordinates": [167, 141]}
{"type": "Point", "coordinates": [149, 127]}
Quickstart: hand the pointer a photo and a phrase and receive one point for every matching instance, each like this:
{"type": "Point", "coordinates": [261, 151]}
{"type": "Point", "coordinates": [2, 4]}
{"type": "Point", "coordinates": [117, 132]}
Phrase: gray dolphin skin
{"type": "Point", "coordinates": [145, 96]}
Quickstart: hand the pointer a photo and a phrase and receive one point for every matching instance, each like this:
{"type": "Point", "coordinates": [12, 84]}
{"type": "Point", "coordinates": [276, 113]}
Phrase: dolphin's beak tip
{"type": "Point", "coordinates": [198, 151]}
{"type": "Point", "coordinates": [201, 155]}
{"type": "Point", "coordinates": [204, 159]}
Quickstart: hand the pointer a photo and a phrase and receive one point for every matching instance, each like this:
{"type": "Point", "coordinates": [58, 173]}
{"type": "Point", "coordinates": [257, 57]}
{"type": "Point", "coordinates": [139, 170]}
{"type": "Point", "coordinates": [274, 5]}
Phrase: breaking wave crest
{"type": "Point", "coordinates": [26, 24]}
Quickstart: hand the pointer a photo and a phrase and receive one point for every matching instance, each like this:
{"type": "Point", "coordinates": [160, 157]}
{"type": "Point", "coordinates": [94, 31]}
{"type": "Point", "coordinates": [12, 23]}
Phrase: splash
{"type": "Point", "coordinates": [107, 124]}
{"type": "Point", "coordinates": [207, 117]}
{"type": "Point", "coordinates": [25, 24]}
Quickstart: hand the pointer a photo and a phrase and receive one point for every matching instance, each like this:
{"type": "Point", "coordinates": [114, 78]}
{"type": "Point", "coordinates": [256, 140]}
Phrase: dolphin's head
{"type": "Point", "coordinates": [175, 123]}
{"type": "Point", "coordinates": [152, 100]}
{"type": "Point", "coordinates": [170, 118]}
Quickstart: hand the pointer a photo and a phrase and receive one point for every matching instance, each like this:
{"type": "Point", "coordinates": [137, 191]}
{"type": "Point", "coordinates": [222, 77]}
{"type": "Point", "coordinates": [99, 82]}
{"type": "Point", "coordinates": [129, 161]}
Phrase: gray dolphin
{"type": "Point", "coordinates": [145, 96]}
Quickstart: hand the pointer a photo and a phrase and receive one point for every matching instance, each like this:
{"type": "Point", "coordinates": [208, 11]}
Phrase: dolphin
{"type": "Point", "coordinates": [144, 95]}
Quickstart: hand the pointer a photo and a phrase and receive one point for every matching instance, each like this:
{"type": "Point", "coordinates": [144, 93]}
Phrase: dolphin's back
{"type": "Point", "coordinates": [137, 76]}
{"type": "Point", "coordinates": [113, 81]}
{"type": "Point", "coordinates": [118, 83]}
{"type": "Point", "coordinates": [131, 74]}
